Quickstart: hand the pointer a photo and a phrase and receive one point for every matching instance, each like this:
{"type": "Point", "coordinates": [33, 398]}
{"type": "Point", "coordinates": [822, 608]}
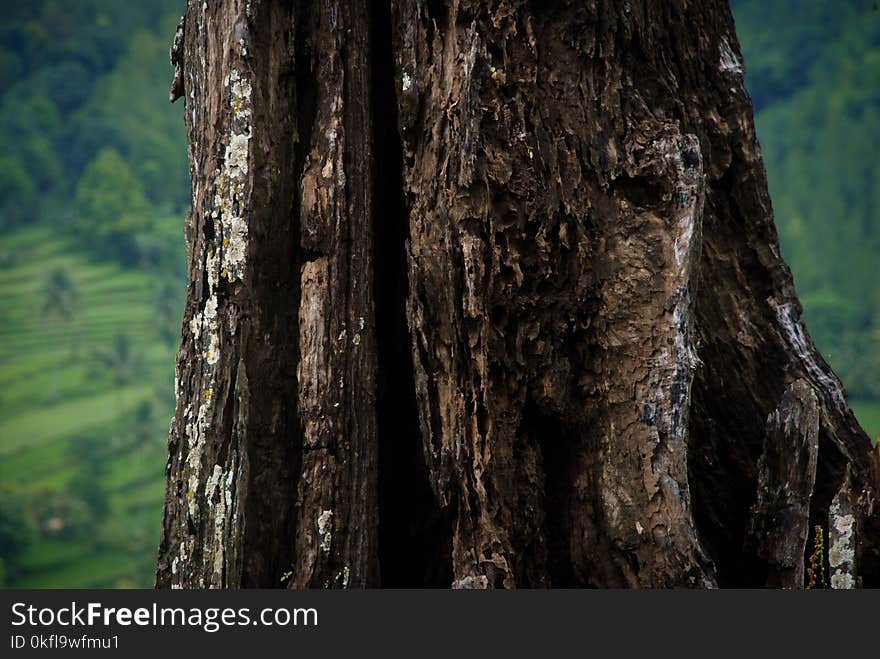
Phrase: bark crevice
{"type": "Point", "coordinates": [415, 534]}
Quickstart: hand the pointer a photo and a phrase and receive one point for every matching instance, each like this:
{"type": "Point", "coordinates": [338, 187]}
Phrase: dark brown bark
{"type": "Point", "coordinates": [786, 477]}
{"type": "Point", "coordinates": [336, 543]}
{"type": "Point", "coordinates": [234, 446]}
{"type": "Point", "coordinates": [488, 294]}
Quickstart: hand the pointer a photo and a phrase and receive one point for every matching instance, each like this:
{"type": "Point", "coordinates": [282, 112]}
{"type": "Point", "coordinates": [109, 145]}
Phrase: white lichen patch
{"type": "Point", "coordinates": [356, 338]}
{"type": "Point", "coordinates": [203, 326]}
{"type": "Point", "coordinates": [844, 524]}
{"type": "Point", "coordinates": [842, 581]}
{"type": "Point", "coordinates": [241, 91]}
{"type": "Point", "coordinates": [195, 443]}
{"type": "Point", "coordinates": [237, 156]}
{"type": "Point", "coordinates": [210, 329]}
{"type": "Point", "coordinates": [793, 330]}
{"type": "Point", "coordinates": [229, 181]}
{"type": "Point", "coordinates": [218, 504]}
{"type": "Point", "coordinates": [178, 561]}
{"type": "Point", "coordinates": [236, 241]}
{"type": "Point", "coordinates": [841, 555]}
{"type": "Point", "coordinates": [195, 326]}
{"type": "Point", "coordinates": [212, 272]}
{"type": "Point", "coordinates": [406, 82]}
{"type": "Point", "coordinates": [729, 62]}
{"type": "Point", "coordinates": [325, 529]}
{"type": "Point", "coordinates": [213, 481]}
{"type": "Point", "coordinates": [210, 313]}
{"type": "Point", "coordinates": [469, 582]}
{"type": "Point", "coordinates": [212, 351]}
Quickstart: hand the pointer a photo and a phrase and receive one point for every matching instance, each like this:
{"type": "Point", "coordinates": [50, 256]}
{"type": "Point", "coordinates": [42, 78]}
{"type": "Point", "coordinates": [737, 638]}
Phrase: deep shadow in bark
{"type": "Point", "coordinates": [415, 535]}
{"type": "Point", "coordinates": [557, 455]}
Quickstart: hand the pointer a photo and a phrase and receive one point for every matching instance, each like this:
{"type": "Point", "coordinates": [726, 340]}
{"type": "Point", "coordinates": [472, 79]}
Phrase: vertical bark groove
{"type": "Point", "coordinates": [414, 534]}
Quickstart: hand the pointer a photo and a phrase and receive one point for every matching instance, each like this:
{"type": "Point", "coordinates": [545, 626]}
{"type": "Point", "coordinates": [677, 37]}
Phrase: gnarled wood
{"type": "Point", "coordinates": [234, 443]}
{"type": "Point", "coordinates": [599, 319]}
{"type": "Point", "coordinates": [786, 476]}
{"type": "Point", "coordinates": [337, 498]}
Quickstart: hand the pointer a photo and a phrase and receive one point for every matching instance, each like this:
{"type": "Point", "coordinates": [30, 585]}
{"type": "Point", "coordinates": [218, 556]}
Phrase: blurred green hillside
{"type": "Point", "coordinates": [93, 189]}
{"type": "Point", "coordinates": [93, 185]}
{"type": "Point", "coordinates": [813, 70]}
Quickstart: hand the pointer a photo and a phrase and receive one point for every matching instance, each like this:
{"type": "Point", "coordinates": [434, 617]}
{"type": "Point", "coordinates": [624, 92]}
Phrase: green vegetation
{"type": "Point", "coordinates": [813, 69]}
{"type": "Point", "coordinates": [93, 185]}
{"type": "Point", "coordinates": [869, 416]}
{"type": "Point", "coordinates": [86, 396]}
{"type": "Point", "coordinates": [93, 188]}
{"type": "Point", "coordinates": [90, 146]}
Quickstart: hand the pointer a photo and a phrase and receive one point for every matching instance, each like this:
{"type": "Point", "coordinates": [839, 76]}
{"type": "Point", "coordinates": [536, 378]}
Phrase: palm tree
{"type": "Point", "coordinates": [122, 364]}
{"type": "Point", "coordinates": [119, 360]}
{"type": "Point", "coordinates": [60, 298]}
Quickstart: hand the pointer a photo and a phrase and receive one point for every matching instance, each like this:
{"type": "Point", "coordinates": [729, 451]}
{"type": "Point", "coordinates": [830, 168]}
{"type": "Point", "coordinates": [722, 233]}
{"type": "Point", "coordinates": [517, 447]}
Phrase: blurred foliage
{"type": "Point", "coordinates": [813, 70]}
{"type": "Point", "coordinates": [93, 189]}
{"type": "Point", "coordinates": [111, 207]}
{"type": "Point", "coordinates": [83, 85]}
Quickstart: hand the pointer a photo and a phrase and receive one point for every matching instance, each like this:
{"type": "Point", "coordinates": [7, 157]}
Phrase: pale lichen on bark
{"type": "Point", "coordinates": [843, 538]}
{"type": "Point", "coordinates": [786, 478]}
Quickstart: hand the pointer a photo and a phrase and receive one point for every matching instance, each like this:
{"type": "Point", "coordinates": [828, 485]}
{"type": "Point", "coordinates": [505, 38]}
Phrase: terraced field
{"type": "Point", "coordinates": [868, 415]}
{"type": "Point", "coordinates": [84, 410]}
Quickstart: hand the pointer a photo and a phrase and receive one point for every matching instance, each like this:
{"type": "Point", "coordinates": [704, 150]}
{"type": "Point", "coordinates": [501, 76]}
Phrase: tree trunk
{"type": "Point", "coordinates": [488, 294]}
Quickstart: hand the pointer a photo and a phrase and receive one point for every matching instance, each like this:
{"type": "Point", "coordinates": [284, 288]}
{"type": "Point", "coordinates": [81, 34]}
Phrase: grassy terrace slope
{"type": "Point", "coordinates": [83, 416]}
{"type": "Point", "coordinates": [869, 416]}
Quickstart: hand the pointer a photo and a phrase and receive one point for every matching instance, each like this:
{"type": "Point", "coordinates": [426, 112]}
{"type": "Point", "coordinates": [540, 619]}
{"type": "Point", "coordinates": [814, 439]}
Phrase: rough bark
{"type": "Point", "coordinates": [336, 543]}
{"type": "Point", "coordinates": [488, 294]}
{"type": "Point", "coordinates": [786, 477]}
{"type": "Point", "coordinates": [233, 445]}
{"type": "Point", "coordinates": [272, 467]}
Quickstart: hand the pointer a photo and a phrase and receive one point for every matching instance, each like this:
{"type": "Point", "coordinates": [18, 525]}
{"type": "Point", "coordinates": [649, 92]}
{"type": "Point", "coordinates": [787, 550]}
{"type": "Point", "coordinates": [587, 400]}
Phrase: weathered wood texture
{"type": "Point", "coordinates": [786, 476]}
{"type": "Point", "coordinates": [233, 450]}
{"type": "Point", "coordinates": [272, 464]}
{"type": "Point", "coordinates": [336, 544]}
{"type": "Point", "coordinates": [592, 243]}
{"type": "Point", "coordinates": [569, 227]}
